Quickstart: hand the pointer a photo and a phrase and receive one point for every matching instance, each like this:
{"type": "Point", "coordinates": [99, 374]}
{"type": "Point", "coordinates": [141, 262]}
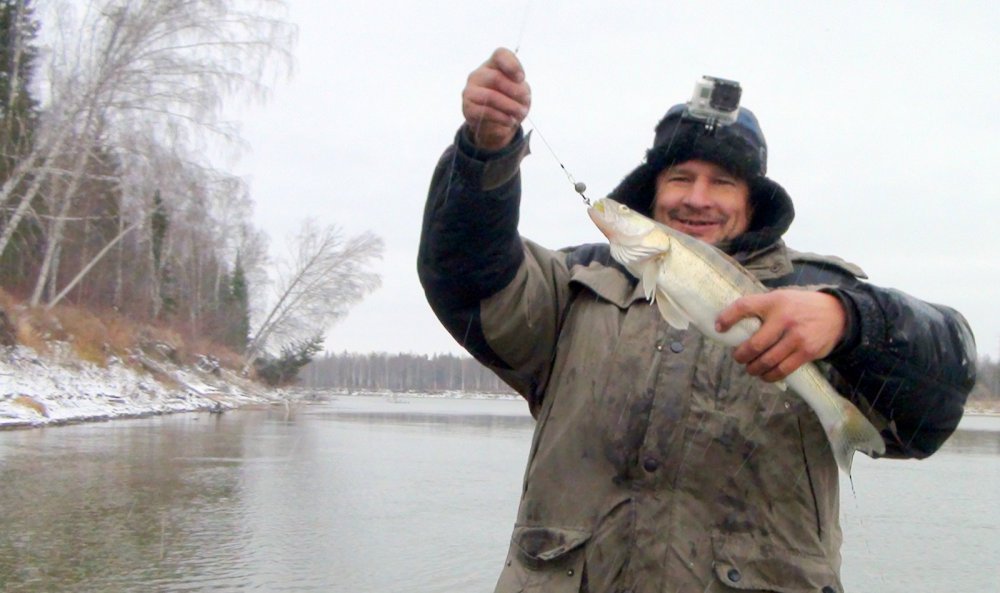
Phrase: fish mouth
{"type": "Point", "coordinates": [599, 215]}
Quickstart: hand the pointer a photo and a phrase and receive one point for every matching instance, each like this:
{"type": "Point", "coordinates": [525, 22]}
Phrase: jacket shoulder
{"type": "Point", "coordinates": [805, 258]}
{"type": "Point", "coordinates": [584, 255]}
{"type": "Point", "coordinates": [813, 269]}
{"type": "Point", "coordinates": [592, 266]}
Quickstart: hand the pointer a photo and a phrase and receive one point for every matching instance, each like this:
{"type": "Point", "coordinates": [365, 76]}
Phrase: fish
{"type": "Point", "coordinates": [691, 282]}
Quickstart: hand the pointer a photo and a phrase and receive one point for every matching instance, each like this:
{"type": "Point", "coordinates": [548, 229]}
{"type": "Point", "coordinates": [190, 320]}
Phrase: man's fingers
{"type": "Point", "coordinates": [494, 80]}
{"type": "Point", "coordinates": [770, 358]}
{"type": "Point", "coordinates": [496, 100]}
{"type": "Point", "coordinates": [784, 368]}
{"type": "Point", "coordinates": [741, 308]}
{"type": "Point", "coordinates": [761, 341]}
{"type": "Point", "coordinates": [503, 72]}
{"type": "Point", "coordinates": [482, 102]}
{"type": "Point", "coordinates": [779, 361]}
{"type": "Point", "coordinates": [796, 327]}
{"type": "Point", "coordinates": [506, 62]}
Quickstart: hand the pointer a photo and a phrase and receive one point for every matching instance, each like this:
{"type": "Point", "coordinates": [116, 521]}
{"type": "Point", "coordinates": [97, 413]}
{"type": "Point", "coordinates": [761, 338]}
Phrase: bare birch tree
{"type": "Point", "coordinates": [324, 275]}
{"type": "Point", "coordinates": [127, 68]}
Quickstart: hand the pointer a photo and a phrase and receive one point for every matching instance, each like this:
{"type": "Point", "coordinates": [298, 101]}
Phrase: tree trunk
{"type": "Point", "coordinates": [55, 236]}
{"type": "Point", "coordinates": [86, 269]}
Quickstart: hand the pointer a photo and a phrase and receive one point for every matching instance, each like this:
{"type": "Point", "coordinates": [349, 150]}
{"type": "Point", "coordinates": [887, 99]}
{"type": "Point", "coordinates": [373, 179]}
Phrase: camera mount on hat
{"type": "Point", "coordinates": [716, 101]}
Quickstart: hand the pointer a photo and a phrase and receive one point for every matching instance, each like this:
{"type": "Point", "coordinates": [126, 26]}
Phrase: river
{"type": "Point", "coordinates": [415, 495]}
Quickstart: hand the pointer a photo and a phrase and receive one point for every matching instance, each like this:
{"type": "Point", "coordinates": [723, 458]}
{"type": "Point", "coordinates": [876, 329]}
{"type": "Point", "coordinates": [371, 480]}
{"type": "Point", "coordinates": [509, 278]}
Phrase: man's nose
{"type": "Point", "coordinates": [699, 194]}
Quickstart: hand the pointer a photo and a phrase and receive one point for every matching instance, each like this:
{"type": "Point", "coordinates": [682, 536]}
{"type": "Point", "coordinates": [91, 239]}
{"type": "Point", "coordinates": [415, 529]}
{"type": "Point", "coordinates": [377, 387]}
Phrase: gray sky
{"type": "Point", "coordinates": [881, 121]}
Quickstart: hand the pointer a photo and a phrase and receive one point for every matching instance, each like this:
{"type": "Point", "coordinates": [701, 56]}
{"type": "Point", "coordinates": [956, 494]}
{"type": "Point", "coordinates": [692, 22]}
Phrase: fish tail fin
{"type": "Point", "coordinates": [854, 433]}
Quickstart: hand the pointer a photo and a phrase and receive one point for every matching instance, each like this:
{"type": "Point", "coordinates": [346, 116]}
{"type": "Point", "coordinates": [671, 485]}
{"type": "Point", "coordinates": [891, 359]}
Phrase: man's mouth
{"type": "Point", "coordinates": [690, 222]}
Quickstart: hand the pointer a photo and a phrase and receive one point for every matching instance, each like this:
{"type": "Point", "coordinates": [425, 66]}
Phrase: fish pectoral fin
{"type": "Point", "coordinates": [671, 311]}
{"type": "Point", "coordinates": [650, 273]}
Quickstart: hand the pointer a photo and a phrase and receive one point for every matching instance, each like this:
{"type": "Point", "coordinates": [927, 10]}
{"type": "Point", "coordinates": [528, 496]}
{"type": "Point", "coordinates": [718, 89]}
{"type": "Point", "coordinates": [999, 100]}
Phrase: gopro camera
{"type": "Point", "coordinates": [715, 100]}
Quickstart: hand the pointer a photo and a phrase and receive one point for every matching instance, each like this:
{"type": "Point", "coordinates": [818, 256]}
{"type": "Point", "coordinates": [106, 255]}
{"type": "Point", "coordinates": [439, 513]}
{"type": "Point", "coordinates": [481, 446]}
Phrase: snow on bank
{"type": "Point", "coordinates": [40, 390]}
{"type": "Point", "coordinates": [55, 389]}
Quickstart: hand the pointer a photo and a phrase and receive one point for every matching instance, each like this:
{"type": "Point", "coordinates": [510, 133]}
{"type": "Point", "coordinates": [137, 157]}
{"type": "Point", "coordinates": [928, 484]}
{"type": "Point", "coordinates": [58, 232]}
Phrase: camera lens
{"type": "Point", "coordinates": [725, 96]}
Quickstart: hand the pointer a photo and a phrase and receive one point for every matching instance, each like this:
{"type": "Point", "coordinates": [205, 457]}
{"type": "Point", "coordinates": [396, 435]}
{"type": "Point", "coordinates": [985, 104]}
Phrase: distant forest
{"type": "Point", "coordinates": [447, 372]}
{"type": "Point", "coordinates": [400, 372]}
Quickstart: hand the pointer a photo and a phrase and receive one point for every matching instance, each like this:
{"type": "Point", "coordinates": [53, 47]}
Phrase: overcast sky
{"type": "Point", "coordinates": [881, 119]}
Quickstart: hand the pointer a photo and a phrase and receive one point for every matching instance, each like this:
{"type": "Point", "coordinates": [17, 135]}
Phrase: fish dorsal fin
{"type": "Point", "coordinates": [671, 311]}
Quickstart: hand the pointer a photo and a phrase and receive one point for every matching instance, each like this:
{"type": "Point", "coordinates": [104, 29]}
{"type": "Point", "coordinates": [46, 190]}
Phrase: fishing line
{"type": "Point", "coordinates": [524, 25]}
{"type": "Point", "coordinates": [578, 186]}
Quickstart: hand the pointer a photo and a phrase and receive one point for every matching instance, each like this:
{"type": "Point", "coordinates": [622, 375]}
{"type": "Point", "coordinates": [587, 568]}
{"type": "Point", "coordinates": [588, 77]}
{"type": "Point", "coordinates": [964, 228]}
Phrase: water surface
{"type": "Point", "coordinates": [412, 495]}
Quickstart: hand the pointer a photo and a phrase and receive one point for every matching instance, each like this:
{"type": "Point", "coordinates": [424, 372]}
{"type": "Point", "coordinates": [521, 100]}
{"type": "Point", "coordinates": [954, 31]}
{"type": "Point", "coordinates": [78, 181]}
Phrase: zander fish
{"type": "Point", "coordinates": [692, 282]}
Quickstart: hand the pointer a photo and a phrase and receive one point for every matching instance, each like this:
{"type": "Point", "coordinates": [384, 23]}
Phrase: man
{"type": "Point", "coordinates": [663, 461]}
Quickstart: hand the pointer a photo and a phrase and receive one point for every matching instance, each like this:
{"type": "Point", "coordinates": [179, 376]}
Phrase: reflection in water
{"type": "Point", "coordinates": [458, 421]}
{"type": "Point", "coordinates": [368, 494]}
{"type": "Point", "coordinates": [112, 504]}
{"type": "Point", "coordinates": [974, 441]}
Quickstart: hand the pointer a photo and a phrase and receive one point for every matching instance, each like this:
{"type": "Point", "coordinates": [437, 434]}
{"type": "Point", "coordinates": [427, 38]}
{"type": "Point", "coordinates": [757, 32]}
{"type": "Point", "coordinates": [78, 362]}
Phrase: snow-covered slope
{"type": "Point", "coordinates": [59, 388]}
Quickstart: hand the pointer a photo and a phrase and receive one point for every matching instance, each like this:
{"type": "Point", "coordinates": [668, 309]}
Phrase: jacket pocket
{"type": "Point", "coordinates": [744, 563]}
{"type": "Point", "coordinates": [543, 560]}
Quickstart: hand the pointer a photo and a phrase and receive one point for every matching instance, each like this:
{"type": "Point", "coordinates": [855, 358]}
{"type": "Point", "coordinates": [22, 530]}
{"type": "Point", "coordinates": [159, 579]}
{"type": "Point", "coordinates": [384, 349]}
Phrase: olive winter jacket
{"type": "Point", "coordinates": [658, 464]}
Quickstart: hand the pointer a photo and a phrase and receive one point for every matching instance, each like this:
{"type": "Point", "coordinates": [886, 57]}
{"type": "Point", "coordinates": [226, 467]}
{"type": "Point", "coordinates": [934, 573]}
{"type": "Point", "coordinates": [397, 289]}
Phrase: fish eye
{"type": "Point", "coordinates": [623, 207]}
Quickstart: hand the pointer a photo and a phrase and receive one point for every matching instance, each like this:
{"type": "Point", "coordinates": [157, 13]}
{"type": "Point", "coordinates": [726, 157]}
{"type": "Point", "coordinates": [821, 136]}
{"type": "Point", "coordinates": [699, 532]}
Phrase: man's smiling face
{"type": "Point", "coordinates": [703, 200]}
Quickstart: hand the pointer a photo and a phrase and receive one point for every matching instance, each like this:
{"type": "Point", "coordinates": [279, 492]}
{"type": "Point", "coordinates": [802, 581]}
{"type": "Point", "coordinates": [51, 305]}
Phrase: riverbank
{"type": "Point", "coordinates": [59, 388]}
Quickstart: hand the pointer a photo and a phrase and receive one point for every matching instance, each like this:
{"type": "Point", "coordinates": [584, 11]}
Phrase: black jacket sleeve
{"type": "Point", "coordinates": [469, 244]}
{"type": "Point", "coordinates": [912, 362]}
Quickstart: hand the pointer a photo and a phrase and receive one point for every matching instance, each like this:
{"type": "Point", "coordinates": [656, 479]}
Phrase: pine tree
{"type": "Point", "coordinates": [164, 301]}
{"type": "Point", "coordinates": [237, 309]}
{"type": "Point", "coordinates": [18, 118]}
{"type": "Point", "coordinates": [159, 223]}
{"type": "Point", "coordinates": [284, 370]}
{"type": "Point", "coordinates": [18, 54]}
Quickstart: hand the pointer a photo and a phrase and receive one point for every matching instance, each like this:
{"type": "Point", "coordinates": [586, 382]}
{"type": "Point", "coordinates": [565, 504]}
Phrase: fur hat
{"type": "Point", "coordinates": [739, 148]}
